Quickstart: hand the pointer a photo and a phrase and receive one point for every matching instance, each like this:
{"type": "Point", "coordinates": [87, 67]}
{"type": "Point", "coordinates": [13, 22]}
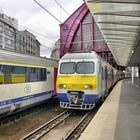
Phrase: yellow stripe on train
{"type": "Point", "coordinates": [76, 82]}
{"type": "Point", "coordinates": [15, 78]}
{"type": "Point", "coordinates": [1, 79]}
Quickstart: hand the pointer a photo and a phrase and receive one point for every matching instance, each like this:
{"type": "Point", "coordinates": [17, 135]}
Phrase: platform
{"type": "Point", "coordinates": [119, 116]}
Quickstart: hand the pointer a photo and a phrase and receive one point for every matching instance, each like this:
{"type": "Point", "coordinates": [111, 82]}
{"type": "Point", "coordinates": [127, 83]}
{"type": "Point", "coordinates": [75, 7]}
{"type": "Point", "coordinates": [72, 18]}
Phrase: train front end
{"type": "Point", "coordinates": [76, 84]}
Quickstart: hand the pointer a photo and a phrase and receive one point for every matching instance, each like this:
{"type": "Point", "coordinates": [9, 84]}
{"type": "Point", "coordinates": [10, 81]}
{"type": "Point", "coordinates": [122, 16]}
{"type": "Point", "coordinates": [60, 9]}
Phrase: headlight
{"type": "Point", "coordinates": [63, 86]}
{"type": "Point", "coordinates": [88, 86]}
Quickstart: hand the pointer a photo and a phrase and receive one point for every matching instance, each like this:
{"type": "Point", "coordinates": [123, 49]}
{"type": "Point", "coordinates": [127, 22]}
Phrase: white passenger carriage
{"type": "Point", "coordinates": [24, 81]}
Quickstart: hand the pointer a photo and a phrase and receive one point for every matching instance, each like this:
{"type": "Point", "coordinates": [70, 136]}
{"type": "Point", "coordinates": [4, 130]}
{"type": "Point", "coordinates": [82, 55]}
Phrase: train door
{"type": "Point", "coordinates": [55, 78]}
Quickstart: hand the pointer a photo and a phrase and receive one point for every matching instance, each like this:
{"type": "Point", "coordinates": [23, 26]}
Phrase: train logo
{"type": "Point", "coordinates": [27, 89]}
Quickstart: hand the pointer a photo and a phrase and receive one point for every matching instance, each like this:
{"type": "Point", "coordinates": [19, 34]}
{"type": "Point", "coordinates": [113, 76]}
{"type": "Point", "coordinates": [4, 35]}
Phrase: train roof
{"type": "Point", "coordinates": [11, 56]}
{"type": "Point", "coordinates": [80, 55]}
{"type": "Point", "coordinates": [83, 55]}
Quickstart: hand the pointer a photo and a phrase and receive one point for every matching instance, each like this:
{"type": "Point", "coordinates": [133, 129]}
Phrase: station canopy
{"type": "Point", "coordinates": [119, 22]}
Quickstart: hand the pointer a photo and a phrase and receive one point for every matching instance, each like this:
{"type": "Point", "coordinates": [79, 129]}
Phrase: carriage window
{"type": "Point", "coordinates": [103, 73]}
{"type": "Point", "coordinates": [1, 74]}
{"type": "Point", "coordinates": [67, 68]}
{"type": "Point", "coordinates": [18, 74]}
{"type": "Point", "coordinates": [42, 74]}
{"type": "Point", "coordinates": [36, 74]}
{"type": "Point", "coordinates": [1, 69]}
{"type": "Point", "coordinates": [32, 74]}
{"type": "Point", "coordinates": [18, 70]}
{"type": "Point", "coordinates": [85, 67]}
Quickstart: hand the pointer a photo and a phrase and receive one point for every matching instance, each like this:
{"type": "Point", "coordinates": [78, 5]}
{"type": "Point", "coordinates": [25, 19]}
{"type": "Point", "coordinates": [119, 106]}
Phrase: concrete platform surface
{"type": "Point", "coordinates": [119, 116]}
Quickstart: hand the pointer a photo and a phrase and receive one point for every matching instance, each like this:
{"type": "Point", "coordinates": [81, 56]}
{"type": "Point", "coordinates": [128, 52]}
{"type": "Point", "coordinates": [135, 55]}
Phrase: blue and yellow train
{"type": "Point", "coordinates": [83, 79]}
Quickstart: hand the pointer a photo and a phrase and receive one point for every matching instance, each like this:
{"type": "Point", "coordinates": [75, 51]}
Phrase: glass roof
{"type": "Point", "coordinates": [119, 21]}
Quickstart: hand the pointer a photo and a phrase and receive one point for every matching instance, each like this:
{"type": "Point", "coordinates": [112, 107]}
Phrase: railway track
{"type": "Point", "coordinates": [80, 127]}
{"type": "Point", "coordinates": [11, 119]}
{"type": "Point", "coordinates": [74, 133]}
{"type": "Point", "coordinates": [44, 129]}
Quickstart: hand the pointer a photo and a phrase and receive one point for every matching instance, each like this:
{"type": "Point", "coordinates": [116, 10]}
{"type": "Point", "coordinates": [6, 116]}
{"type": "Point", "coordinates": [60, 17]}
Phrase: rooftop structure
{"type": "Point", "coordinates": [80, 32]}
{"type": "Point", "coordinates": [119, 21]}
{"type": "Point", "coordinates": [13, 39]}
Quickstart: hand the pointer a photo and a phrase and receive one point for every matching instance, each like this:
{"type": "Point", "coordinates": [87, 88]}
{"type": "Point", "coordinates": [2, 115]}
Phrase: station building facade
{"type": "Point", "coordinates": [15, 40]}
{"type": "Point", "coordinates": [81, 33]}
{"type": "Point", "coordinates": [56, 50]}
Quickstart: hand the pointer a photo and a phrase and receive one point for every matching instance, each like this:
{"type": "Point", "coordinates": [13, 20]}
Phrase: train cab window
{"type": "Point", "coordinates": [85, 67]}
{"type": "Point", "coordinates": [67, 68]}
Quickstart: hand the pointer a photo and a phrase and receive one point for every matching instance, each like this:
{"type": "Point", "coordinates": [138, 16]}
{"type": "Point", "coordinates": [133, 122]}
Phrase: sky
{"type": "Point", "coordinates": [36, 20]}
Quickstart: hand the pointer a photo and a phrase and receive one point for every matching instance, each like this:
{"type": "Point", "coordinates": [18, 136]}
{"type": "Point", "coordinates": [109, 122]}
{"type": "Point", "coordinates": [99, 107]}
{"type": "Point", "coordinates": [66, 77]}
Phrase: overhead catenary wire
{"type": "Point", "coordinates": [62, 7]}
{"type": "Point", "coordinates": [36, 33]}
{"type": "Point", "coordinates": [97, 40]}
{"type": "Point", "coordinates": [46, 47]}
{"type": "Point", "coordinates": [52, 41]}
{"type": "Point", "coordinates": [47, 11]}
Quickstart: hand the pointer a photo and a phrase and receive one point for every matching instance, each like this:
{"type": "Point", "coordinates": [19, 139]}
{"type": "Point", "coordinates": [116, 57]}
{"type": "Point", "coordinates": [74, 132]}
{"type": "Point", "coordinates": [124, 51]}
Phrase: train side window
{"type": "Point", "coordinates": [32, 74]}
{"type": "Point", "coordinates": [1, 69]}
{"type": "Point", "coordinates": [7, 74]}
{"type": "Point", "coordinates": [103, 74]}
{"type": "Point", "coordinates": [18, 70]}
{"type": "Point", "coordinates": [106, 73]}
{"type": "Point", "coordinates": [42, 74]}
{"type": "Point", "coordinates": [1, 74]}
{"type": "Point", "coordinates": [36, 74]}
{"type": "Point", "coordinates": [18, 74]}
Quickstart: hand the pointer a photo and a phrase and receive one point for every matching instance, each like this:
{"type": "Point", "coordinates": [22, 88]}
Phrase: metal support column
{"type": "Point", "coordinates": [139, 75]}
{"type": "Point", "coordinates": [133, 75]}
{"type": "Point", "coordinates": [81, 44]}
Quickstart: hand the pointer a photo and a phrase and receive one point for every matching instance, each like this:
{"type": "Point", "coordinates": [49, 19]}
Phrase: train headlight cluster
{"type": "Point", "coordinates": [63, 86]}
{"type": "Point", "coordinates": [88, 86]}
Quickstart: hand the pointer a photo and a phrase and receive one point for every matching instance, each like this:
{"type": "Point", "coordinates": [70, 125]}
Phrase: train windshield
{"type": "Point", "coordinates": [85, 67]}
{"type": "Point", "coordinates": [67, 68]}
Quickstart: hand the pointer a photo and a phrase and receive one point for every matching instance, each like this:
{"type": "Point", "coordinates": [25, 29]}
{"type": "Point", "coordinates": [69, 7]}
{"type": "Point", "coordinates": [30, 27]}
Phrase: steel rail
{"type": "Point", "coordinates": [15, 117]}
{"type": "Point", "coordinates": [39, 132]}
{"type": "Point", "coordinates": [76, 132]}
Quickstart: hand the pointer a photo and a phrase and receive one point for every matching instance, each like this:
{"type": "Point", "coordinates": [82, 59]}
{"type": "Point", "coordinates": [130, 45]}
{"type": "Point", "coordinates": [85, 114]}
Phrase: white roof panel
{"type": "Point", "coordinates": [119, 22]}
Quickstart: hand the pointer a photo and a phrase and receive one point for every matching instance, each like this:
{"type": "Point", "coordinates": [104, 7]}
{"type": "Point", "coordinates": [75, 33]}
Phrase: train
{"type": "Point", "coordinates": [25, 80]}
{"type": "Point", "coordinates": [83, 79]}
